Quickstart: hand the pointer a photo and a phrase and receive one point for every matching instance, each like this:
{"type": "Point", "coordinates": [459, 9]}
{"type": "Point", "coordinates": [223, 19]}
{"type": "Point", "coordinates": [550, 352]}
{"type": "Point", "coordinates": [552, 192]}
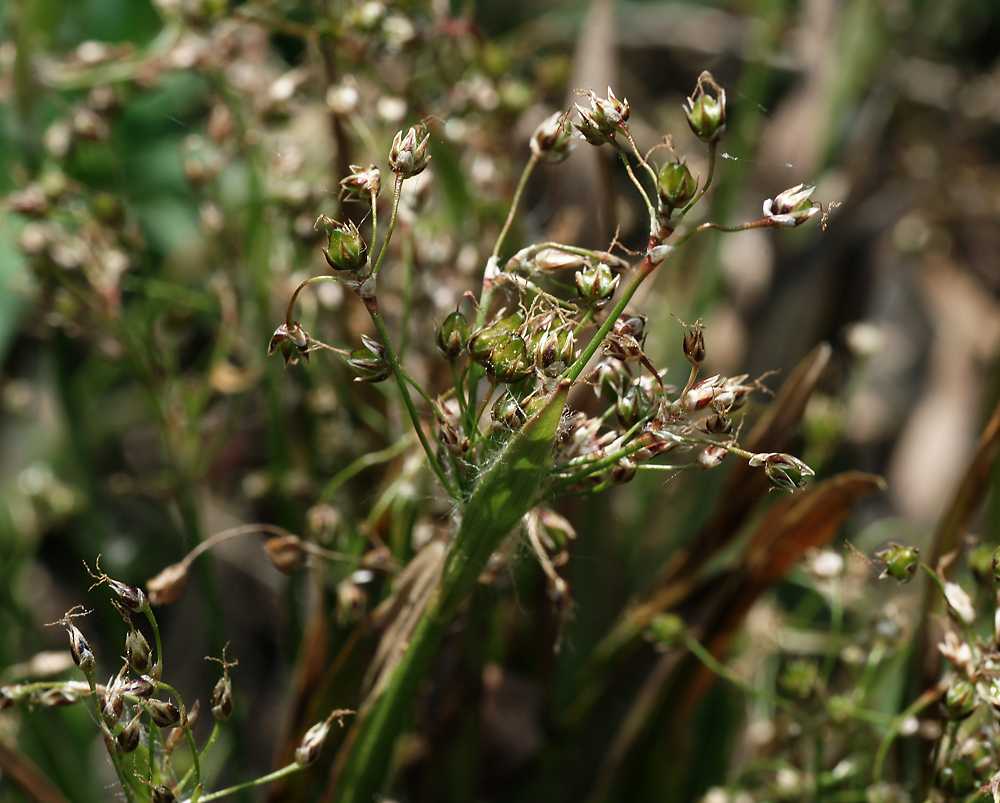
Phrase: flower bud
{"type": "Point", "coordinates": [362, 184]}
{"type": "Point", "coordinates": [551, 143]}
{"type": "Point", "coordinates": [694, 345]}
{"type": "Point", "coordinates": [162, 794]}
{"type": "Point", "coordinates": [293, 342]}
{"type": "Point", "coordinates": [222, 698]}
{"type": "Point", "coordinates": [83, 656]}
{"type": "Point", "coordinates": [58, 696]}
{"type": "Point", "coordinates": [509, 361]}
{"type": "Point", "coordinates": [178, 736]}
{"type": "Point", "coordinates": [623, 472]}
{"type": "Point", "coordinates": [452, 438]}
{"type": "Point", "coordinates": [112, 705]}
{"type": "Point", "coordinates": [676, 186]}
{"type": "Point", "coordinates": [131, 597]}
{"type": "Point", "coordinates": [408, 155]}
{"type": "Point", "coordinates": [960, 700]}
{"type": "Point", "coordinates": [707, 115]}
{"type": "Point", "coordinates": [711, 456]}
{"type": "Point", "coordinates": [370, 361]}
{"type": "Point", "coordinates": [128, 739]}
{"type": "Point", "coordinates": [285, 552]}
{"type": "Point", "coordinates": [791, 207]}
{"type": "Point", "coordinates": [609, 377]}
{"type": "Point", "coordinates": [596, 285]}
{"type": "Point", "coordinates": [601, 121]}
{"type": "Point", "coordinates": [508, 413]}
{"type": "Point", "coordinates": [138, 653]}
{"type": "Point", "coordinates": [452, 335]}
{"type": "Point", "coordinates": [553, 351]}
{"type": "Point", "coordinates": [900, 561]}
{"type": "Point", "coordinates": [351, 602]}
{"type": "Point", "coordinates": [633, 406]}
{"type": "Point", "coordinates": [346, 250]}
{"type": "Point", "coordinates": [954, 778]}
{"type": "Point", "coordinates": [783, 470]}
{"type": "Point", "coordinates": [163, 713]}
{"type": "Point", "coordinates": [666, 630]}
{"type": "Point", "coordinates": [483, 342]}
{"type": "Point", "coordinates": [312, 742]}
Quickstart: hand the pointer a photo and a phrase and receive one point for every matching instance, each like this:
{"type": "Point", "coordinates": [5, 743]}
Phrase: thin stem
{"type": "Point", "coordinates": [638, 185]}
{"type": "Point", "coordinates": [724, 672]}
{"type": "Point", "coordinates": [288, 769]}
{"type": "Point", "coordinates": [397, 371]}
{"type": "Point", "coordinates": [911, 710]}
{"type": "Point", "coordinates": [365, 461]}
{"type": "Point", "coordinates": [486, 296]}
{"type": "Point", "coordinates": [708, 180]}
{"type": "Point", "coordinates": [396, 194]}
{"type": "Point", "coordinates": [297, 290]}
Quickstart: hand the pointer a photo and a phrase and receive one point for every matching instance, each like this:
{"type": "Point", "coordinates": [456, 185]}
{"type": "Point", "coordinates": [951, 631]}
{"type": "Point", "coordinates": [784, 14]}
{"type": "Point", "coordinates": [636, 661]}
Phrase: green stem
{"type": "Point", "coordinates": [724, 672]}
{"type": "Point", "coordinates": [504, 494]}
{"type": "Point", "coordinates": [486, 297]}
{"type": "Point", "coordinates": [288, 769]}
{"type": "Point", "coordinates": [396, 190]}
{"type": "Point", "coordinates": [397, 371]}
{"type": "Point", "coordinates": [708, 180]}
{"type": "Point", "coordinates": [911, 710]}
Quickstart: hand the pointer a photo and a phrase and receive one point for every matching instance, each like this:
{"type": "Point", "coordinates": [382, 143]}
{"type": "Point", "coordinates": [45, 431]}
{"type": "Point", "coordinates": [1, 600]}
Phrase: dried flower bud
{"type": "Point", "coordinates": [676, 186]}
{"type": "Point", "coordinates": [610, 376]}
{"type": "Point", "coordinates": [900, 561]}
{"type": "Point", "coordinates": [633, 406]}
{"type": "Point", "coordinates": [83, 656]}
{"type": "Point", "coordinates": [553, 351]}
{"type": "Point", "coordinates": [694, 344]}
{"type": "Point", "coordinates": [717, 424]}
{"type": "Point", "coordinates": [452, 438]}
{"type": "Point", "coordinates": [783, 470]}
{"type": "Point", "coordinates": [162, 794]}
{"type": "Point", "coordinates": [312, 742]}
{"type": "Point", "coordinates": [551, 142]}
{"type": "Point", "coordinates": [408, 155]}
{"type": "Point", "coordinates": [285, 552]}
{"type": "Point", "coordinates": [346, 249]}
{"type": "Point", "coordinates": [363, 183]}
{"type": "Point", "coordinates": [128, 739]}
{"type": "Point", "coordinates": [706, 115]}
{"type": "Point", "coordinates": [142, 687]}
{"type": "Point", "coordinates": [711, 456]}
{"type": "Point", "coordinates": [791, 207]}
{"type": "Point", "coordinates": [623, 472]}
{"type": "Point", "coordinates": [596, 285]}
{"type": "Point", "coordinates": [168, 585]}
{"type": "Point", "coordinates": [178, 736]}
{"type": "Point", "coordinates": [351, 602]}
{"type": "Point", "coordinates": [508, 414]}
{"type": "Point", "coordinates": [112, 705]}
{"type": "Point", "coordinates": [452, 335]}
{"type": "Point", "coordinates": [626, 338]}
{"type": "Point", "coordinates": [370, 361]}
{"type": "Point", "coordinates": [163, 713]}
{"type": "Point", "coordinates": [58, 696]}
{"type": "Point", "coordinates": [138, 653]}
{"type": "Point", "coordinates": [222, 698]}
{"type": "Point", "coordinates": [293, 342]}
{"type": "Point", "coordinates": [322, 521]}
{"type": "Point", "coordinates": [960, 700]}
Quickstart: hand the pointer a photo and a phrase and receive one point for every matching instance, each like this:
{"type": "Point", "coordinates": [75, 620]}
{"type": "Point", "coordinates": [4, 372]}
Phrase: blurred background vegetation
{"type": "Point", "coordinates": [163, 165]}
